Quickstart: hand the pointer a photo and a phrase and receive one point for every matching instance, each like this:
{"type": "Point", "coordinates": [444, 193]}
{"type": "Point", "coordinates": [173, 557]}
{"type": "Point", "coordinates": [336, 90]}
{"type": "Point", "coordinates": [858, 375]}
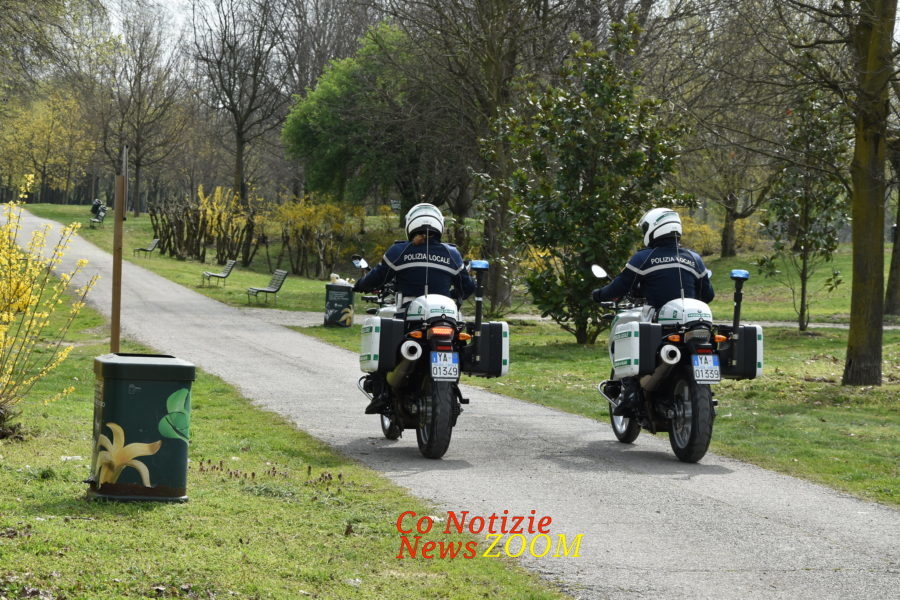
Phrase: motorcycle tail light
{"type": "Point", "coordinates": [442, 331]}
{"type": "Point", "coordinates": [698, 335]}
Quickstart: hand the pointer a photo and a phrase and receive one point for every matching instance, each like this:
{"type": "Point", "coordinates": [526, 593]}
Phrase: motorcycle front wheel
{"type": "Point", "coordinates": [389, 426]}
{"type": "Point", "coordinates": [625, 429]}
{"type": "Point", "coordinates": [435, 418]}
{"type": "Point", "coordinates": [690, 429]}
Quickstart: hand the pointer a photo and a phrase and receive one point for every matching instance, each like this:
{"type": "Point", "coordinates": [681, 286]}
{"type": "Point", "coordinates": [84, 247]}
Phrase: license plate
{"type": "Point", "coordinates": [444, 366]}
{"type": "Point", "coordinates": [706, 368]}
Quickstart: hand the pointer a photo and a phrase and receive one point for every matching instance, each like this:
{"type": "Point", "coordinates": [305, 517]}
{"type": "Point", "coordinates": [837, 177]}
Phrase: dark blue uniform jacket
{"type": "Point", "coordinates": [408, 264]}
{"type": "Point", "coordinates": [660, 271]}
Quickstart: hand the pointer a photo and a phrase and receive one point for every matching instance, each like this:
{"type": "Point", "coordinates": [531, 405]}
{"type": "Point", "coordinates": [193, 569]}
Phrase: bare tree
{"type": "Point", "coordinates": [236, 45]}
{"type": "Point", "coordinates": [150, 87]}
{"type": "Point", "coordinates": [317, 31]}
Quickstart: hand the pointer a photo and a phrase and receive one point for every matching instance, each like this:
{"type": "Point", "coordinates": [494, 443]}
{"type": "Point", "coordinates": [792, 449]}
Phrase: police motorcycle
{"type": "Point", "coordinates": [417, 361]}
{"type": "Point", "coordinates": [676, 356]}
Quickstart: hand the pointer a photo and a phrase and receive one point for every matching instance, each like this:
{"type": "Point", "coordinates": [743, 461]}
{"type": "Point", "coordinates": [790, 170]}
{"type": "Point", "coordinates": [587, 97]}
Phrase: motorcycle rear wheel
{"type": "Point", "coordinates": [690, 430]}
{"type": "Point", "coordinates": [435, 418]}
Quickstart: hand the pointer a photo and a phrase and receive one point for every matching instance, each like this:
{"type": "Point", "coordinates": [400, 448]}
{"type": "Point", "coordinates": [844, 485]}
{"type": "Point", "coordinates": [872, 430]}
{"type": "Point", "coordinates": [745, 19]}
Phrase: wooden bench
{"type": "Point", "coordinates": [149, 249]}
{"type": "Point", "coordinates": [275, 283]}
{"type": "Point", "coordinates": [223, 275]}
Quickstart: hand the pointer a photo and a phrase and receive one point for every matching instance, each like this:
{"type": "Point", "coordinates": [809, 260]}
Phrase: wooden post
{"type": "Point", "coordinates": [118, 218]}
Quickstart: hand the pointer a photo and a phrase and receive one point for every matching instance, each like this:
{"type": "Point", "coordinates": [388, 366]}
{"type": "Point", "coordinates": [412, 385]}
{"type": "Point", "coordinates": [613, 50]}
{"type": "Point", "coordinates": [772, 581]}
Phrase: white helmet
{"type": "Point", "coordinates": [424, 216]}
{"type": "Point", "coordinates": [658, 222]}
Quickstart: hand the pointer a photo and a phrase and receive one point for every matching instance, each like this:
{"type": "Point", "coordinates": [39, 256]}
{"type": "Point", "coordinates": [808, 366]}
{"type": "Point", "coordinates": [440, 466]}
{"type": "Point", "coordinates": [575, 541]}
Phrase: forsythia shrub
{"type": "Point", "coordinates": [31, 341]}
{"type": "Point", "coordinates": [748, 234]}
{"type": "Point", "coordinates": [699, 236]}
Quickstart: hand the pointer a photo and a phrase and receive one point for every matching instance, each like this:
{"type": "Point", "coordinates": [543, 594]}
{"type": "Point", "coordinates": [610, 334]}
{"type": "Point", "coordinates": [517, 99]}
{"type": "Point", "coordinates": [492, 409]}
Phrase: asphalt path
{"type": "Point", "coordinates": [650, 526]}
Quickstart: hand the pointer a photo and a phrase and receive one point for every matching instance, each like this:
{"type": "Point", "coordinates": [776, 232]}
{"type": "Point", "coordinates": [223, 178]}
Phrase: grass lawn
{"type": "Point", "coordinates": [272, 513]}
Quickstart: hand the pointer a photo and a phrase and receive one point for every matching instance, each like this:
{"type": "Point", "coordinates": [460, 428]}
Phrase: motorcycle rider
{"type": "Point", "coordinates": [420, 262]}
{"type": "Point", "coordinates": [663, 270]}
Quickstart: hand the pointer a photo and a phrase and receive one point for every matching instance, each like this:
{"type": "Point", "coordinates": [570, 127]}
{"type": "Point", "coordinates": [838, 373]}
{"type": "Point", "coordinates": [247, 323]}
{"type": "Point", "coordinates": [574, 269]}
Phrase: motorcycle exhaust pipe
{"type": "Point", "coordinates": [410, 351]}
{"type": "Point", "coordinates": [670, 356]}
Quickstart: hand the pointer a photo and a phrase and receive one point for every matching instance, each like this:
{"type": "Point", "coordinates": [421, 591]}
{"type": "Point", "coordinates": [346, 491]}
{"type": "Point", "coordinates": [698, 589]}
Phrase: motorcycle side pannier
{"type": "Point", "coordinates": [493, 352]}
{"type": "Point", "coordinates": [634, 348]}
{"type": "Point", "coordinates": [380, 342]}
{"type": "Point", "coordinates": [742, 358]}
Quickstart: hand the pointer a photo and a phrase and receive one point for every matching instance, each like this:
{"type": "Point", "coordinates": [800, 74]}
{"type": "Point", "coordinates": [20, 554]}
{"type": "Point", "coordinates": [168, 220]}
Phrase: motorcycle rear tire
{"type": "Point", "coordinates": [690, 431]}
{"type": "Point", "coordinates": [435, 426]}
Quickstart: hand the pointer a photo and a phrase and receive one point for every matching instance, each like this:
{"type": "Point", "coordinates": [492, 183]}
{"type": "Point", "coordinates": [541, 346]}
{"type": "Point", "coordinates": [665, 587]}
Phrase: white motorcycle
{"type": "Point", "coordinates": [417, 361]}
{"type": "Point", "coordinates": [672, 359]}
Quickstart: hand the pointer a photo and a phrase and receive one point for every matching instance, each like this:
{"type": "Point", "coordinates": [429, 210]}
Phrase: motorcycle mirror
{"type": "Point", "coordinates": [359, 262]}
{"type": "Point", "coordinates": [598, 271]}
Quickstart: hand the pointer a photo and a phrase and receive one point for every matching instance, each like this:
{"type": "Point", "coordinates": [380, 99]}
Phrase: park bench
{"type": "Point", "coordinates": [278, 278]}
{"type": "Point", "coordinates": [149, 249]}
{"type": "Point", "coordinates": [223, 275]}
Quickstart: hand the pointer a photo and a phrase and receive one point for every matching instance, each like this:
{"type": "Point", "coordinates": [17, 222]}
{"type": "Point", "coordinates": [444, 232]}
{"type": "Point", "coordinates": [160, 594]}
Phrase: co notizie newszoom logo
{"type": "Point", "coordinates": [528, 533]}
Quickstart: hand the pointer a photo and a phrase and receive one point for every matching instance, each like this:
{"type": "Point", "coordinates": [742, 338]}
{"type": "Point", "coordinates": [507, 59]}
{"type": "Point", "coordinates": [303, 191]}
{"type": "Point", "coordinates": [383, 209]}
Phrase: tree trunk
{"type": "Point", "coordinates": [729, 244]}
{"type": "Point", "coordinates": [804, 292]}
{"type": "Point", "coordinates": [892, 295]}
{"type": "Point", "coordinates": [136, 194]}
{"type": "Point", "coordinates": [240, 188]}
{"type": "Point", "coordinates": [498, 283]}
{"type": "Point", "coordinates": [872, 39]}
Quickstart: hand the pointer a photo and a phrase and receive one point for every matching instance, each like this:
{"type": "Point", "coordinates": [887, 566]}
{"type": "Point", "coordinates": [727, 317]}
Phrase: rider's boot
{"type": "Point", "coordinates": [629, 399]}
{"type": "Point", "coordinates": [374, 384]}
{"type": "Point", "coordinates": [378, 403]}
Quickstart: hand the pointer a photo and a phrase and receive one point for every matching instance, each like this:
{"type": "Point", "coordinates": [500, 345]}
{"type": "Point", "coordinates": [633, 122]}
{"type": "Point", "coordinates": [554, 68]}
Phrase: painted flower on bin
{"type": "Point", "coordinates": [115, 456]}
{"type": "Point", "coordinates": [347, 316]}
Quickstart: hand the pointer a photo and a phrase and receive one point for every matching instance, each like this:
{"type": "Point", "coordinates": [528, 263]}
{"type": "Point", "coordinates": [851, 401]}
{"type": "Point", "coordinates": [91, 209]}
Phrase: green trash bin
{"type": "Point", "coordinates": [142, 415]}
{"type": "Point", "coordinates": [338, 305]}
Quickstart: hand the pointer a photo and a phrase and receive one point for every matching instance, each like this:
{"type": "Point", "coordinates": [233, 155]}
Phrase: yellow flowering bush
{"type": "Point", "coordinates": [699, 236]}
{"type": "Point", "coordinates": [316, 233]}
{"type": "Point", "coordinates": [31, 293]}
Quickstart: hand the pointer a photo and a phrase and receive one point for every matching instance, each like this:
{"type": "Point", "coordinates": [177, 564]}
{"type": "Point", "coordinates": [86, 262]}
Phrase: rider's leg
{"type": "Point", "coordinates": [629, 398]}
